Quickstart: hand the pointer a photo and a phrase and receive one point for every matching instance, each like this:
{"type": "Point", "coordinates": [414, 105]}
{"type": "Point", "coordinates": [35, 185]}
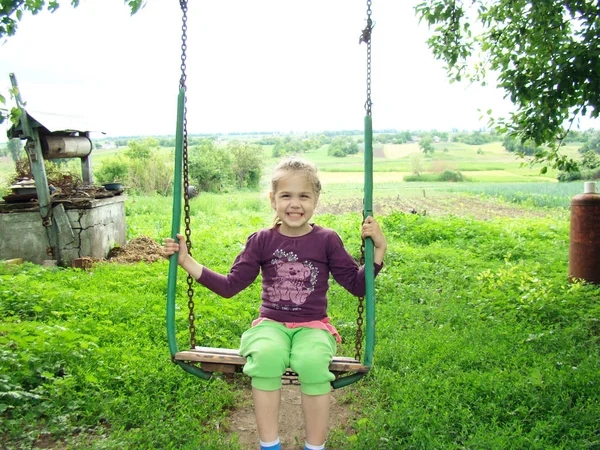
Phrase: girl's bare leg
{"type": "Point", "coordinates": [266, 409]}
{"type": "Point", "coordinates": [316, 417]}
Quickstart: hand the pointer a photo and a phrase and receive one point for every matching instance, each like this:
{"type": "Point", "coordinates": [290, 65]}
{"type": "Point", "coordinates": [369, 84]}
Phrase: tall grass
{"type": "Point", "coordinates": [481, 341]}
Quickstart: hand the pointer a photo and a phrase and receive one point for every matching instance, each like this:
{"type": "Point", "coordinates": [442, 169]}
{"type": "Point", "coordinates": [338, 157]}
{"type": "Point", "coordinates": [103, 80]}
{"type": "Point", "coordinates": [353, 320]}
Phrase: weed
{"type": "Point", "coordinates": [481, 340]}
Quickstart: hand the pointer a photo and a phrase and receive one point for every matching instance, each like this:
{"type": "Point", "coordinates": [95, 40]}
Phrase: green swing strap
{"type": "Point", "coordinates": [180, 138]}
{"type": "Point", "coordinates": [175, 226]}
{"type": "Point", "coordinates": [367, 211]}
{"type": "Point", "coordinates": [369, 263]}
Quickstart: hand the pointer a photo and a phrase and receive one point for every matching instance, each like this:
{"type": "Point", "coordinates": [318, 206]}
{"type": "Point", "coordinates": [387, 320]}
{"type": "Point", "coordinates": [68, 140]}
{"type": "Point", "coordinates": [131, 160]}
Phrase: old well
{"type": "Point", "coordinates": [48, 224]}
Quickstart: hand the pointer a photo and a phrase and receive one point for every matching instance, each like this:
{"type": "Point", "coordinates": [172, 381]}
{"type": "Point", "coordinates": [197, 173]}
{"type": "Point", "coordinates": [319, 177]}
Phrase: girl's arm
{"type": "Point", "coordinates": [244, 271]}
{"type": "Point", "coordinates": [372, 229]}
{"type": "Point", "coordinates": [184, 259]}
{"type": "Point", "coordinates": [344, 268]}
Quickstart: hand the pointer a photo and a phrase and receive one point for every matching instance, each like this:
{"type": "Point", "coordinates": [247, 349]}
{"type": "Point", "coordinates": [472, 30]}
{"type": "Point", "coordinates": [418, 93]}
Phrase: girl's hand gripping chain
{"type": "Point", "coordinates": [372, 229]}
{"type": "Point", "coordinates": [183, 259]}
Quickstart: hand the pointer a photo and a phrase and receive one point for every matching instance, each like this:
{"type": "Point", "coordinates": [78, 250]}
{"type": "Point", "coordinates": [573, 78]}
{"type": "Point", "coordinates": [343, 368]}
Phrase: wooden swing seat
{"type": "Point", "coordinates": [227, 360]}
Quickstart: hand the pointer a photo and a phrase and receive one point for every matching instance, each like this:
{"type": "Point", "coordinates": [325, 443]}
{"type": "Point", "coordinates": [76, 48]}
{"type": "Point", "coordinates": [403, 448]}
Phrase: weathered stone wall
{"type": "Point", "coordinates": [94, 230]}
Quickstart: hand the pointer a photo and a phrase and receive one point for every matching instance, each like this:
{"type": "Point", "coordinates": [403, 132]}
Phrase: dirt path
{"type": "Point", "coordinates": [291, 423]}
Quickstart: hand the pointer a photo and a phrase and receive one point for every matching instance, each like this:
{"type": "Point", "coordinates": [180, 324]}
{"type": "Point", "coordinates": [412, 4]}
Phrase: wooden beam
{"type": "Point", "coordinates": [216, 357]}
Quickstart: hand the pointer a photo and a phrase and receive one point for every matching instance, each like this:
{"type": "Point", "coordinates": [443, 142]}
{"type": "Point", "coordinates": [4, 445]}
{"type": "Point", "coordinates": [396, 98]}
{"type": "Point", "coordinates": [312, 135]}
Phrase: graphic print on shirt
{"type": "Point", "coordinates": [295, 280]}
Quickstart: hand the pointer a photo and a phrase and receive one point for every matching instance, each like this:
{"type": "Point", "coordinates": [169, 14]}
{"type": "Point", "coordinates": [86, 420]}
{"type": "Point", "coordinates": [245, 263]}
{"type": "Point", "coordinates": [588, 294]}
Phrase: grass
{"type": "Point", "coordinates": [6, 171]}
{"type": "Point", "coordinates": [481, 340]}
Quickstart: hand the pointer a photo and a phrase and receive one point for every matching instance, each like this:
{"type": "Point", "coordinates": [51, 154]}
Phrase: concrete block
{"type": "Point", "coordinates": [97, 226]}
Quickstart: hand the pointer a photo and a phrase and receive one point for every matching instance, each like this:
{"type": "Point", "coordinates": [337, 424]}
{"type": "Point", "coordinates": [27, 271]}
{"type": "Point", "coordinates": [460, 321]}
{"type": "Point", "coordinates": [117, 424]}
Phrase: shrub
{"type": "Point", "coordinates": [579, 175]}
{"type": "Point", "coordinates": [113, 170]}
{"type": "Point", "coordinates": [447, 176]}
{"type": "Point", "coordinates": [451, 175]}
{"type": "Point", "coordinates": [210, 167]}
{"type": "Point", "coordinates": [569, 176]}
{"type": "Point", "coordinates": [342, 146]}
{"type": "Point", "coordinates": [246, 165]}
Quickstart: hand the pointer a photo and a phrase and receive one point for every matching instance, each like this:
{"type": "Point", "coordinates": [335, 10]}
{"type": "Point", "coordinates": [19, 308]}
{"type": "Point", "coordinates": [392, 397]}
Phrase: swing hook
{"type": "Point", "coordinates": [365, 36]}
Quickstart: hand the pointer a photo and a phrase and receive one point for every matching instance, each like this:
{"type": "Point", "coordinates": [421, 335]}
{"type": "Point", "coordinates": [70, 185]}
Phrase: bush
{"type": "Point", "coordinates": [113, 170]}
{"type": "Point", "coordinates": [246, 164]}
{"type": "Point", "coordinates": [451, 175]}
{"type": "Point", "coordinates": [446, 176]}
{"type": "Point", "coordinates": [152, 175]}
{"type": "Point", "coordinates": [569, 176]}
{"type": "Point", "coordinates": [579, 175]}
{"type": "Point", "coordinates": [341, 146]}
{"type": "Point", "coordinates": [210, 168]}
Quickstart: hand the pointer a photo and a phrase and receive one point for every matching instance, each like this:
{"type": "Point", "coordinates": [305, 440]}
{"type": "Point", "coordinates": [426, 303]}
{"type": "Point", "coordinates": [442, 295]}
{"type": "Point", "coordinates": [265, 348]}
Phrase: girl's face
{"type": "Point", "coordinates": [294, 202]}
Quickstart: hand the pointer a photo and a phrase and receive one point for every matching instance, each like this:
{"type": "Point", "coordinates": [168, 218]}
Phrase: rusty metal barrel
{"type": "Point", "coordinates": [584, 242]}
{"type": "Point", "coordinates": [56, 147]}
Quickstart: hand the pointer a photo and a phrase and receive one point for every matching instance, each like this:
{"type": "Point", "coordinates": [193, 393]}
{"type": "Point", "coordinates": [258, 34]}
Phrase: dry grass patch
{"type": "Point", "coordinates": [358, 177]}
{"type": "Point", "coordinates": [397, 151]}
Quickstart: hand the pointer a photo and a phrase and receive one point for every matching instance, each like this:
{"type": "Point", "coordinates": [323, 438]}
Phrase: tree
{"type": "Point", "coordinates": [416, 163]}
{"type": "Point", "coordinates": [113, 170]}
{"type": "Point", "coordinates": [426, 144]}
{"type": "Point", "coordinates": [521, 148]}
{"type": "Point", "coordinates": [142, 149]}
{"type": "Point", "coordinates": [592, 144]}
{"type": "Point", "coordinates": [11, 11]}
{"type": "Point", "coordinates": [247, 164]}
{"type": "Point", "coordinates": [545, 55]}
{"type": "Point", "coordinates": [210, 167]}
{"type": "Point", "coordinates": [342, 146]}
{"type": "Point", "coordinates": [590, 160]}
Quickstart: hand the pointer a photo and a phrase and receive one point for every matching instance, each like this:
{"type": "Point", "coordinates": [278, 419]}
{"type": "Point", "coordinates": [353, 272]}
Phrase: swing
{"type": "Point", "coordinates": [204, 361]}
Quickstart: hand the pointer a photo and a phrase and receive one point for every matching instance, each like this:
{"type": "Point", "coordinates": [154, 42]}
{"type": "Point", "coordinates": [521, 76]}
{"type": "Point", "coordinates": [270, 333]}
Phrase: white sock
{"type": "Point", "coordinates": [269, 444]}
{"type": "Point", "coordinates": [308, 446]}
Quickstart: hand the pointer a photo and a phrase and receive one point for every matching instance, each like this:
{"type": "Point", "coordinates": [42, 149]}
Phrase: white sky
{"type": "Point", "coordinates": [263, 65]}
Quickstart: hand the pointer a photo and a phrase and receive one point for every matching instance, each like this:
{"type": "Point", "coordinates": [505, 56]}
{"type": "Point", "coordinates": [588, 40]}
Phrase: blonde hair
{"type": "Point", "coordinates": [292, 165]}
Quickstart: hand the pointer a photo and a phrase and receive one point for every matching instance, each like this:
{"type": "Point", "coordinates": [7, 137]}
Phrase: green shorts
{"type": "Point", "coordinates": [271, 348]}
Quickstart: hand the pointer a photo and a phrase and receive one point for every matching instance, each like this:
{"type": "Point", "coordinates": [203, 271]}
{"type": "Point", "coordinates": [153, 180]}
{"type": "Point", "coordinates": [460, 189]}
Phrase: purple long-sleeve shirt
{"type": "Point", "coordinates": [295, 273]}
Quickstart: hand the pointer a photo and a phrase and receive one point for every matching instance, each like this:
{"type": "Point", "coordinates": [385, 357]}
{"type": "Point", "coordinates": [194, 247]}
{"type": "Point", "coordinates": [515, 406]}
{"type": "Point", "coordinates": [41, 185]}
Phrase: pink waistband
{"type": "Point", "coordinates": [324, 324]}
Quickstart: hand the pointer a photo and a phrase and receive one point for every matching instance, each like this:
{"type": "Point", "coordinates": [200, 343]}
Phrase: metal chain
{"type": "Point", "coordinates": [186, 184]}
{"type": "Point", "coordinates": [360, 310]}
{"type": "Point", "coordinates": [366, 38]}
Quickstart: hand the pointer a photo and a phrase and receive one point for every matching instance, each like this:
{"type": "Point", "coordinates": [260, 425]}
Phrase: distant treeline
{"type": "Point", "coordinates": [385, 136]}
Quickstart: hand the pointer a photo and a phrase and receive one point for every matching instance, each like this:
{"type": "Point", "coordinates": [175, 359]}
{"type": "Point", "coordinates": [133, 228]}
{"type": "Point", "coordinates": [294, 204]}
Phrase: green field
{"type": "Point", "coordinates": [492, 164]}
{"type": "Point", "coordinates": [481, 341]}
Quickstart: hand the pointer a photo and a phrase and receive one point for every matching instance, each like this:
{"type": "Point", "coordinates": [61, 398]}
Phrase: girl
{"type": "Point", "coordinates": [292, 330]}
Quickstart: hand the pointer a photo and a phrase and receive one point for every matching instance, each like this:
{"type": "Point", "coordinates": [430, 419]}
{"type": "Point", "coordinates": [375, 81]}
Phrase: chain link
{"type": "Point", "coordinates": [184, 10]}
{"type": "Point", "coordinates": [366, 38]}
{"type": "Point", "coordinates": [186, 185]}
{"type": "Point", "coordinates": [360, 310]}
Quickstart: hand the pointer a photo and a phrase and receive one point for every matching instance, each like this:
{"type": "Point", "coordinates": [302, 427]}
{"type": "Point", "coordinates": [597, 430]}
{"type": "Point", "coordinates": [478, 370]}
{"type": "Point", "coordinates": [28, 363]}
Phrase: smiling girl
{"type": "Point", "coordinates": [296, 258]}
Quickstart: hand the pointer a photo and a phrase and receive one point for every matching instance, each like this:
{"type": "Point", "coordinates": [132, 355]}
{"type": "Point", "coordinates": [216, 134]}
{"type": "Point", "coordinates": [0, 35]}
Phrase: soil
{"type": "Point", "coordinates": [136, 250]}
{"type": "Point", "coordinates": [474, 207]}
{"type": "Point", "coordinates": [291, 423]}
